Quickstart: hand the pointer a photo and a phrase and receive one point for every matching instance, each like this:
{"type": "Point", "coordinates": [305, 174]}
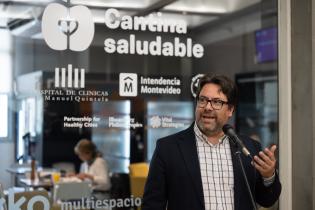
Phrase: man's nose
{"type": "Point", "coordinates": [209, 106]}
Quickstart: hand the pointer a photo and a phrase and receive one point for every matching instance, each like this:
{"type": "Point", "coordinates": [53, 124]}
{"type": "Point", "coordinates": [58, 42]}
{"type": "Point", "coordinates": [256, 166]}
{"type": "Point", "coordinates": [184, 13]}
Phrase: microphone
{"type": "Point", "coordinates": [229, 131]}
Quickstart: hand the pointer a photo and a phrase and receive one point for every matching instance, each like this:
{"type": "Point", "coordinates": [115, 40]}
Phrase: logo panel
{"type": "Point", "coordinates": [194, 84]}
{"type": "Point", "coordinates": [67, 28]}
{"type": "Point", "coordinates": [70, 78]}
{"type": "Point", "coordinates": [128, 84]}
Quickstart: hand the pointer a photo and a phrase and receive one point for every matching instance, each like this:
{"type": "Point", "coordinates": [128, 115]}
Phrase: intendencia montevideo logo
{"type": "Point", "coordinates": [73, 28]}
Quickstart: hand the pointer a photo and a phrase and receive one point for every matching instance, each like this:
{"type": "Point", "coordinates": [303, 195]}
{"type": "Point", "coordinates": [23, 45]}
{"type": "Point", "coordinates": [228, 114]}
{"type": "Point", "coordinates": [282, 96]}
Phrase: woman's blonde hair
{"type": "Point", "coordinates": [87, 147]}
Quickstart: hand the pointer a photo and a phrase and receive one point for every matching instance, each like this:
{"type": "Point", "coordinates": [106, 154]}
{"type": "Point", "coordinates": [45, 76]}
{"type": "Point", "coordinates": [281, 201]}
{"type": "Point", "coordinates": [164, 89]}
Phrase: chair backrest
{"type": "Point", "coordinates": [138, 173]}
{"type": "Point", "coordinates": [72, 191]}
{"type": "Point", "coordinates": [137, 186]}
{"type": "Point", "coordinates": [139, 169]}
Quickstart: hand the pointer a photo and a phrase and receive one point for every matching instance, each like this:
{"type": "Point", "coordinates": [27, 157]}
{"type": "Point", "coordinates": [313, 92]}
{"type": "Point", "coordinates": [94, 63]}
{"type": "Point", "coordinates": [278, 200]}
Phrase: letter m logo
{"type": "Point", "coordinates": [128, 84]}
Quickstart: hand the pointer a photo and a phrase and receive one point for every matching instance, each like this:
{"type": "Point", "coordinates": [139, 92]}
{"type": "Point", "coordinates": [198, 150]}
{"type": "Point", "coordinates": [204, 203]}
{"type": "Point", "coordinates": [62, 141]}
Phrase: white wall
{"type": "Point", "coordinates": [6, 159]}
{"type": "Point", "coordinates": [6, 80]}
{"type": "Point", "coordinates": [5, 62]}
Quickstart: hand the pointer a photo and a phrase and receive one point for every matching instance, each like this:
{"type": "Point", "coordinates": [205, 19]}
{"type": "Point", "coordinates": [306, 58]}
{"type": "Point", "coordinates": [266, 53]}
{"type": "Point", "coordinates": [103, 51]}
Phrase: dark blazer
{"type": "Point", "coordinates": [174, 179]}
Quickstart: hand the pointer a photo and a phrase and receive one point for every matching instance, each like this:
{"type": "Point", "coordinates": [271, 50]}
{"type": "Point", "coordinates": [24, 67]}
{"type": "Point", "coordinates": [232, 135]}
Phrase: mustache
{"type": "Point", "coordinates": [209, 114]}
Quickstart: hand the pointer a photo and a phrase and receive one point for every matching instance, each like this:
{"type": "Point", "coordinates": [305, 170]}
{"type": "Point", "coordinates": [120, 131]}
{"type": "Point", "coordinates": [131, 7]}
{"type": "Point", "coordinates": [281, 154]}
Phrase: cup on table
{"type": "Point", "coordinates": [55, 177]}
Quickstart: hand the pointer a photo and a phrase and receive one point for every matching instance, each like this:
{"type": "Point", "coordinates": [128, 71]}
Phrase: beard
{"type": "Point", "coordinates": [209, 124]}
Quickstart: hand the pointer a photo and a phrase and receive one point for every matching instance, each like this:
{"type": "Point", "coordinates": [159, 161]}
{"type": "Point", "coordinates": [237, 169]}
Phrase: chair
{"type": "Point", "coordinates": [139, 169]}
{"type": "Point", "coordinates": [71, 191]}
{"type": "Point", "coordinates": [138, 173]}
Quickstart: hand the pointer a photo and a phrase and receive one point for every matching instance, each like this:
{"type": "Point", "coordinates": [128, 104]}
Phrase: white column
{"type": "Point", "coordinates": [285, 103]}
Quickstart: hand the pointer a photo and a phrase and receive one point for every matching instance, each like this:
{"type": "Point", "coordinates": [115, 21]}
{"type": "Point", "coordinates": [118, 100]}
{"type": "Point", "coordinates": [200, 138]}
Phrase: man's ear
{"type": "Point", "coordinates": [231, 109]}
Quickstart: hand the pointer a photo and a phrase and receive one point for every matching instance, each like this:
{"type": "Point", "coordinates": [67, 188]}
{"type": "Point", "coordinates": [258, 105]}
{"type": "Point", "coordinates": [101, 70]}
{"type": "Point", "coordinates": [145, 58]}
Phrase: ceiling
{"type": "Point", "coordinates": [18, 14]}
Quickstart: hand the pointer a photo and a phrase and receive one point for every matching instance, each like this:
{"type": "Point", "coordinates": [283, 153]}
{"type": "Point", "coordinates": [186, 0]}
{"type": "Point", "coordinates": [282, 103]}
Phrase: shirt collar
{"type": "Point", "coordinates": [202, 137]}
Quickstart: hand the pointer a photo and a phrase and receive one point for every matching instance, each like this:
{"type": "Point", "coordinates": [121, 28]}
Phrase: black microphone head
{"type": "Point", "coordinates": [228, 129]}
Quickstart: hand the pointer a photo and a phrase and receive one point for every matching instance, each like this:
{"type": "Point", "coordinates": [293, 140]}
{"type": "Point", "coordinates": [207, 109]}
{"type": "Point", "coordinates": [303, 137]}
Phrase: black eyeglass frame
{"type": "Point", "coordinates": [211, 101]}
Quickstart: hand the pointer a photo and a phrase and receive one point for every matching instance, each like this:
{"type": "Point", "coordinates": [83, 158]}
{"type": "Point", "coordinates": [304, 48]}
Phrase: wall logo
{"type": "Point", "coordinates": [68, 79]}
{"type": "Point", "coordinates": [166, 122]}
{"type": "Point", "coordinates": [14, 204]}
{"type": "Point", "coordinates": [194, 84]}
{"type": "Point", "coordinates": [156, 122]}
{"type": "Point", "coordinates": [69, 86]}
{"type": "Point", "coordinates": [123, 122]}
{"type": "Point", "coordinates": [67, 28]}
{"type": "Point", "coordinates": [128, 84]}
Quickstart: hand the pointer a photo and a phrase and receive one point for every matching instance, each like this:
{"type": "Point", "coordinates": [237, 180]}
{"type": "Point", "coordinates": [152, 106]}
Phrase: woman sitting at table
{"type": "Point", "coordinates": [94, 167]}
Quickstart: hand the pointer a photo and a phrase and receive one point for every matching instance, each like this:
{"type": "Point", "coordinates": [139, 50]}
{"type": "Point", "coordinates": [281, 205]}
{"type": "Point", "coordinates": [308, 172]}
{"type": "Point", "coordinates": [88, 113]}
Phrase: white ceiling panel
{"type": "Point", "coordinates": [191, 20]}
{"type": "Point", "coordinates": [99, 14]}
{"type": "Point", "coordinates": [35, 2]}
{"type": "Point", "coordinates": [194, 12]}
{"type": "Point", "coordinates": [210, 6]}
{"type": "Point", "coordinates": [131, 4]}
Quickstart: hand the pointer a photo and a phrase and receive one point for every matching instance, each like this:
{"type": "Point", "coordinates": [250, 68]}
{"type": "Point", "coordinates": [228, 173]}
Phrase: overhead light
{"type": "Point", "coordinates": [113, 4]}
{"type": "Point", "coordinates": [34, 1]}
{"type": "Point", "coordinates": [24, 28]}
{"type": "Point", "coordinates": [195, 7]}
{"type": "Point", "coordinates": [208, 7]}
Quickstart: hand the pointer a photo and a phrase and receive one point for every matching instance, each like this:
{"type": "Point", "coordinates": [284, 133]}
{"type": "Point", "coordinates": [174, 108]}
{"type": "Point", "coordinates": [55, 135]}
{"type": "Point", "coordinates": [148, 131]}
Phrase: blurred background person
{"type": "Point", "coordinates": [94, 167]}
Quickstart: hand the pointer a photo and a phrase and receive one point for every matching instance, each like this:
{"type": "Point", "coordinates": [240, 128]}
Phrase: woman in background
{"type": "Point", "coordinates": [94, 167]}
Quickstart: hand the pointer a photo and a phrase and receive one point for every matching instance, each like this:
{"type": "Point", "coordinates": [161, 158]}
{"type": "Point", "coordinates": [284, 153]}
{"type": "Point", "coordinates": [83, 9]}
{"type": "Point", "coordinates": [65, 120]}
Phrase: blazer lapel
{"type": "Point", "coordinates": [188, 148]}
{"type": "Point", "coordinates": [237, 177]}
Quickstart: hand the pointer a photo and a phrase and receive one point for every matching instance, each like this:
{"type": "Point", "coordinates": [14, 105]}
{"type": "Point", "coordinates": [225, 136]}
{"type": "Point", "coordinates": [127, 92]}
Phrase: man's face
{"type": "Point", "coordinates": [211, 121]}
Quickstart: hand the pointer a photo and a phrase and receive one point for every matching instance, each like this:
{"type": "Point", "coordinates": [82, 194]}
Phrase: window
{"type": "Point", "coordinates": [3, 116]}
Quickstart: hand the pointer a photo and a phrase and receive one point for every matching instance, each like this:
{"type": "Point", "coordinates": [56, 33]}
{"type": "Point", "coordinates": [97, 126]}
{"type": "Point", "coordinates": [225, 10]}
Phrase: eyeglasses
{"type": "Point", "coordinates": [216, 104]}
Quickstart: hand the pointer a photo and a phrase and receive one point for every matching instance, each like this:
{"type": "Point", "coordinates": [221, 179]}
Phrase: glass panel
{"type": "Point", "coordinates": [258, 107]}
{"type": "Point", "coordinates": [165, 118]}
{"type": "Point", "coordinates": [124, 74]}
{"type": "Point", "coordinates": [4, 116]}
{"type": "Point", "coordinates": [112, 136]}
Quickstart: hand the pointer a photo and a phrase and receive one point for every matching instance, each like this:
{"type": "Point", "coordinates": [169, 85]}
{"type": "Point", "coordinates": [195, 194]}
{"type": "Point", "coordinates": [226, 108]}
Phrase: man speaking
{"type": "Point", "coordinates": [197, 169]}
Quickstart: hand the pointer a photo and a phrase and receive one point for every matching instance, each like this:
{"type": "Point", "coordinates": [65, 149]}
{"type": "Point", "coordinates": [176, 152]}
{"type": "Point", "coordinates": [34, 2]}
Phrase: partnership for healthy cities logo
{"type": "Point", "coordinates": [67, 27]}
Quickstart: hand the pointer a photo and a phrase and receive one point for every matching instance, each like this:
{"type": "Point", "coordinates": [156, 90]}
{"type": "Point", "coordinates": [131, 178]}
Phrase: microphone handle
{"type": "Point", "coordinates": [243, 148]}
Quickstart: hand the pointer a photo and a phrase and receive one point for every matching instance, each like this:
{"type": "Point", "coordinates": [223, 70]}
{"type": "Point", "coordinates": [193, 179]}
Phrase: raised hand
{"type": "Point", "coordinates": [265, 162]}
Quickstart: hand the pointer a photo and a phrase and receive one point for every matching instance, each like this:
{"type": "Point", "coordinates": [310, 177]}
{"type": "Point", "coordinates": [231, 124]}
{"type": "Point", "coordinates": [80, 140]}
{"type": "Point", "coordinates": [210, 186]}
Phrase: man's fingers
{"type": "Point", "coordinates": [258, 167]}
{"type": "Point", "coordinates": [273, 148]}
{"type": "Point", "coordinates": [268, 152]}
{"type": "Point", "coordinates": [265, 161]}
{"type": "Point", "coordinates": [265, 158]}
{"type": "Point", "coordinates": [259, 161]}
{"type": "Point", "coordinates": [271, 152]}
